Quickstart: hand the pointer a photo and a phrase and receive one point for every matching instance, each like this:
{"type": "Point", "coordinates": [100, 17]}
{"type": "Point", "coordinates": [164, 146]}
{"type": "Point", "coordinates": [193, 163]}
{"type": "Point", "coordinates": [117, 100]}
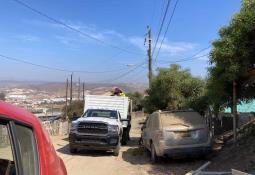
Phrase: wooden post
{"type": "Point", "coordinates": [71, 89]}
{"type": "Point", "coordinates": [83, 91]}
{"type": "Point", "coordinates": [234, 111]}
{"type": "Point", "coordinates": [149, 57]}
{"type": "Point", "coordinates": [131, 106]}
{"type": "Point", "coordinates": [66, 97]}
{"type": "Point", "coordinates": [79, 89]}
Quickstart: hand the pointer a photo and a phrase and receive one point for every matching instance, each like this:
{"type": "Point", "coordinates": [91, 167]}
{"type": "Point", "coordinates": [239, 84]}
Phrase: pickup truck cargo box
{"type": "Point", "coordinates": [120, 104]}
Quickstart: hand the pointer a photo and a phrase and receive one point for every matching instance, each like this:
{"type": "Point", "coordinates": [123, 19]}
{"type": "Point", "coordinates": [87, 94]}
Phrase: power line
{"type": "Point", "coordinates": [161, 26]}
{"type": "Point", "coordinates": [73, 29]}
{"type": "Point", "coordinates": [193, 57]}
{"type": "Point", "coordinates": [187, 59]}
{"type": "Point", "coordinates": [138, 75]}
{"type": "Point", "coordinates": [170, 20]}
{"type": "Point", "coordinates": [160, 16]}
{"type": "Point", "coordinates": [125, 74]}
{"type": "Point", "coordinates": [55, 68]}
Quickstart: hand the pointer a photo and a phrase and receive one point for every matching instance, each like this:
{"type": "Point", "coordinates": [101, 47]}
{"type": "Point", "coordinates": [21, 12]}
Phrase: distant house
{"type": "Point", "coordinates": [243, 107]}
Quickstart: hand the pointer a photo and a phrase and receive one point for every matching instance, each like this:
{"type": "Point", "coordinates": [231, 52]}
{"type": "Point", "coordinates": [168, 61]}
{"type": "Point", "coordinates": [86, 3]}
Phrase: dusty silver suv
{"type": "Point", "coordinates": [180, 133]}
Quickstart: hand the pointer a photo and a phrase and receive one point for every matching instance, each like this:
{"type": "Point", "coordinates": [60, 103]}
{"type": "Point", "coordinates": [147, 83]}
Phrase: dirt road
{"type": "Point", "coordinates": [132, 160]}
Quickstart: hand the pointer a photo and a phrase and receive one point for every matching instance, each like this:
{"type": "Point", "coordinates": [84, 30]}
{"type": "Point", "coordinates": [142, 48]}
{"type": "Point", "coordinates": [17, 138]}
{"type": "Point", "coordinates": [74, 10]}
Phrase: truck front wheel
{"type": "Point", "coordinates": [116, 151]}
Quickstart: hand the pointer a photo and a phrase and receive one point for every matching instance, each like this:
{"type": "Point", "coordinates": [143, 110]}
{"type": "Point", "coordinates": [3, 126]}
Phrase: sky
{"type": "Point", "coordinates": [117, 53]}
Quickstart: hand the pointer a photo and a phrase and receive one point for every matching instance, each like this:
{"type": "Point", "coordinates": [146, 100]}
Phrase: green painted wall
{"type": "Point", "coordinates": [244, 107]}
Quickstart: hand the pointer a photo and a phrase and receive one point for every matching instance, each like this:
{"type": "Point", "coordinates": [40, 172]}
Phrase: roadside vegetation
{"type": "Point", "coordinates": [137, 100]}
{"type": "Point", "coordinates": [174, 88]}
{"type": "Point", "coordinates": [74, 109]}
{"type": "Point", "coordinates": [233, 58]}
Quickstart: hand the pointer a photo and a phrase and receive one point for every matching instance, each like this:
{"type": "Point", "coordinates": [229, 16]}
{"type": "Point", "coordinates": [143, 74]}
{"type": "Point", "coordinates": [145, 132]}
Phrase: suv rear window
{"type": "Point", "coordinates": [181, 118]}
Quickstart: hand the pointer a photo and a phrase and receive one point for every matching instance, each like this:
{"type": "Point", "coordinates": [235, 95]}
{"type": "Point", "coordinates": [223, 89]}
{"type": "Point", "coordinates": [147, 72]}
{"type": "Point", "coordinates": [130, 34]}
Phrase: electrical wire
{"type": "Point", "coordinates": [134, 79]}
{"type": "Point", "coordinates": [170, 20]}
{"type": "Point", "coordinates": [72, 28]}
{"type": "Point", "coordinates": [187, 59]}
{"type": "Point", "coordinates": [161, 26]}
{"type": "Point", "coordinates": [193, 57]}
{"type": "Point", "coordinates": [55, 68]}
{"type": "Point", "coordinates": [124, 74]}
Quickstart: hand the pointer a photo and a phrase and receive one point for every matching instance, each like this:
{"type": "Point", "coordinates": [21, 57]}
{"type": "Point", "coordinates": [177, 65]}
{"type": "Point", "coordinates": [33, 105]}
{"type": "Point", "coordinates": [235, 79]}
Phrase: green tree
{"type": "Point", "coordinates": [232, 56]}
{"type": "Point", "coordinates": [174, 88]}
{"type": "Point", "coordinates": [137, 100]}
{"type": "Point", "coordinates": [2, 96]}
{"type": "Point", "coordinates": [76, 107]}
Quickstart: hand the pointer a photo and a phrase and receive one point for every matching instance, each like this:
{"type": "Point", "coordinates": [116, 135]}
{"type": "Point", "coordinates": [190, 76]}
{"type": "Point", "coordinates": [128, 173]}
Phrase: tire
{"type": "Point", "coordinates": [116, 151]}
{"type": "Point", "coordinates": [154, 156]}
{"type": "Point", "coordinates": [124, 138]}
{"type": "Point", "coordinates": [123, 142]}
{"type": "Point", "coordinates": [72, 150]}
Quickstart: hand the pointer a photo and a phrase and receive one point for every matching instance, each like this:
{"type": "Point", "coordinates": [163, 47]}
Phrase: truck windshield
{"type": "Point", "coordinates": [102, 113]}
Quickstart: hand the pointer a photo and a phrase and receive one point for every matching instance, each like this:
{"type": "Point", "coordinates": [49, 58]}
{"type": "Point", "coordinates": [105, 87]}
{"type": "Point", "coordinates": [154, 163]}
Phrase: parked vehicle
{"type": "Point", "coordinates": [103, 126]}
{"type": "Point", "coordinates": [119, 103]}
{"type": "Point", "coordinates": [25, 147]}
{"type": "Point", "coordinates": [97, 129]}
{"type": "Point", "coordinates": [179, 133]}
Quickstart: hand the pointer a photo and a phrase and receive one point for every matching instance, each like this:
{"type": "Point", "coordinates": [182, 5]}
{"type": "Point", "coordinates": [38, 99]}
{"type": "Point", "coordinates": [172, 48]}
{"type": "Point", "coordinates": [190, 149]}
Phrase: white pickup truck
{"type": "Point", "coordinates": [103, 126]}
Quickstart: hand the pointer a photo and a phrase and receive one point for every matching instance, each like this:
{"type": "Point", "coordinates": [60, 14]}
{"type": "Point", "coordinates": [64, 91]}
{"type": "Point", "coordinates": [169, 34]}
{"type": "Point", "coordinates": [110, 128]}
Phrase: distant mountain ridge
{"type": "Point", "coordinates": [59, 87]}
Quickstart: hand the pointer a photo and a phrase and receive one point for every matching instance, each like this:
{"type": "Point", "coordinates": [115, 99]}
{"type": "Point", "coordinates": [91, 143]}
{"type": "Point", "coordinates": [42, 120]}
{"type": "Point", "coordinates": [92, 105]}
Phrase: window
{"type": "Point", "coordinates": [102, 113]}
{"type": "Point", "coordinates": [28, 150]}
{"type": "Point", "coordinates": [7, 165]}
{"type": "Point", "coordinates": [181, 118]}
{"type": "Point", "coordinates": [155, 121]}
{"type": "Point", "coordinates": [148, 122]}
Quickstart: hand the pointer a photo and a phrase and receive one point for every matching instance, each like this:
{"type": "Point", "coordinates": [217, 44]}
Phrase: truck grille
{"type": "Point", "coordinates": [93, 128]}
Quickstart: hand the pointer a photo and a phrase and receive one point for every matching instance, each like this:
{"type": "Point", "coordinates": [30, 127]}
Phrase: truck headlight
{"type": "Point", "coordinates": [113, 128]}
{"type": "Point", "coordinates": [74, 126]}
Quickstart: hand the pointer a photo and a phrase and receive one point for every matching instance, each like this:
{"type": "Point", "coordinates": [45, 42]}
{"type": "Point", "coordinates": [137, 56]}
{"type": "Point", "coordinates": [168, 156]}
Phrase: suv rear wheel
{"type": "Point", "coordinates": [154, 157]}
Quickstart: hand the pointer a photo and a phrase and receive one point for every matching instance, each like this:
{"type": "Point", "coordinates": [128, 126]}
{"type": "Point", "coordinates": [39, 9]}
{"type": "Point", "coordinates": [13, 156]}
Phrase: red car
{"type": "Point", "coordinates": [25, 147]}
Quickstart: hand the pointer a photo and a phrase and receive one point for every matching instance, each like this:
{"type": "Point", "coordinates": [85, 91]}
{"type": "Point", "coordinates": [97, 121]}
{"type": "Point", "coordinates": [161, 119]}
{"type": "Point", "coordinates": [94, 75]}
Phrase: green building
{"type": "Point", "coordinates": [243, 107]}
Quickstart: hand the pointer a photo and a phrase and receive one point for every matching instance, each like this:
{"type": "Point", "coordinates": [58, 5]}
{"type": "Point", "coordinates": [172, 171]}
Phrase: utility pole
{"type": "Point", "coordinates": [149, 56]}
{"type": "Point", "coordinates": [71, 89]}
{"type": "Point", "coordinates": [83, 91]}
{"type": "Point", "coordinates": [79, 88]}
{"type": "Point", "coordinates": [66, 97]}
{"type": "Point", "coordinates": [234, 111]}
